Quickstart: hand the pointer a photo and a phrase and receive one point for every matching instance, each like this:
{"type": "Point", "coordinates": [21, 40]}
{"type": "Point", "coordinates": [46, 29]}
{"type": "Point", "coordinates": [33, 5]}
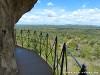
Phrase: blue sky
{"type": "Point", "coordinates": [62, 12]}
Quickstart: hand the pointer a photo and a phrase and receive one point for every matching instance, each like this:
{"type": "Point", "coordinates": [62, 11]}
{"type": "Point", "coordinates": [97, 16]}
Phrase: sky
{"type": "Point", "coordinates": [63, 12]}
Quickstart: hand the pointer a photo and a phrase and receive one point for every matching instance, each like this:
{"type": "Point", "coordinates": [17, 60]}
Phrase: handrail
{"type": "Point", "coordinates": [40, 42]}
{"type": "Point", "coordinates": [73, 57]}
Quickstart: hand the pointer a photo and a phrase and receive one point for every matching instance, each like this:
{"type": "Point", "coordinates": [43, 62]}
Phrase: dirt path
{"type": "Point", "coordinates": [68, 41]}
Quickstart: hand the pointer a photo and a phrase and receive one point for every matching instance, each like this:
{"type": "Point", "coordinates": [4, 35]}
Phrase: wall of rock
{"type": "Point", "coordinates": [10, 12]}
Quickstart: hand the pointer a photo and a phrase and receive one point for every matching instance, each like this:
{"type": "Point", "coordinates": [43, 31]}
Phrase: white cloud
{"type": "Point", "coordinates": [84, 6]}
{"type": "Point", "coordinates": [47, 16]}
{"type": "Point", "coordinates": [50, 4]}
{"type": "Point", "coordinates": [49, 13]}
{"type": "Point", "coordinates": [30, 19]}
{"type": "Point", "coordinates": [62, 17]}
{"type": "Point", "coordinates": [62, 10]}
{"type": "Point", "coordinates": [86, 16]}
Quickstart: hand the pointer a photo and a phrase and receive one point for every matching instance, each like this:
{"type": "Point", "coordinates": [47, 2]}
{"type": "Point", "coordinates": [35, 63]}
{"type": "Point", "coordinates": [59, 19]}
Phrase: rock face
{"type": "Point", "coordinates": [10, 12]}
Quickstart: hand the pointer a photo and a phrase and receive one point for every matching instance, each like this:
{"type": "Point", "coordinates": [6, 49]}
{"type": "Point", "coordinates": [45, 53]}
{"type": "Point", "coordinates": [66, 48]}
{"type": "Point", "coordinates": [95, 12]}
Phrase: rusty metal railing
{"type": "Point", "coordinates": [50, 48]}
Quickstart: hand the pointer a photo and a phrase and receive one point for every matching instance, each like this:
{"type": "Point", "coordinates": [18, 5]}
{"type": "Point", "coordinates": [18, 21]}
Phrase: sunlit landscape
{"type": "Point", "coordinates": [83, 41]}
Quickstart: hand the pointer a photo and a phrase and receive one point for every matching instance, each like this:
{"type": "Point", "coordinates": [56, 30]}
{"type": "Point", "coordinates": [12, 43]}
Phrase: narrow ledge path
{"type": "Point", "coordinates": [30, 63]}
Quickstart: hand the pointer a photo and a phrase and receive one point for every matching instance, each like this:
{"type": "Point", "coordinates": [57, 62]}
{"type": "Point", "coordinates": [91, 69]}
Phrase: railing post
{"type": "Point", "coordinates": [55, 56]}
{"type": "Point", "coordinates": [28, 38]}
{"type": "Point", "coordinates": [62, 62]}
{"type": "Point", "coordinates": [46, 51]}
{"type": "Point", "coordinates": [35, 41]}
{"type": "Point", "coordinates": [21, 37]}
{"type": "Point", "coordinates": [66, 62]}
{"type": "Point", "coordinates": [40, 42]}
{"type": "Point", "coordinates": [83, 70]}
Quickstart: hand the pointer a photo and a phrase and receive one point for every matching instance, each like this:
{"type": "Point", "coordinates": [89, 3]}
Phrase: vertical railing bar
{"type": "Point", "coordinates": [57, 64]}
{"type": "Point", "coordinates": [28, 38]}
{"type": "Point", "coordinates": [51, 53]}
{"type": "Point", "coordinates": [66, 62]}
{"type": "Point", "coordinates": [18, 37]}
{"type": "Point", "coordinates": [55, 53]}
{"type": "Point", "coordinates": [62, 63]}
{"type": "Point", "coordinates": [46, 51]}
{"type": "Point", "coordinates": [57, 56]}
{"type": "Point", "coordinates": [40, 42]}
{"type": "Point", "coordinates": [35, 41]}
{"type": "Point", "coordinates": [22, 37]}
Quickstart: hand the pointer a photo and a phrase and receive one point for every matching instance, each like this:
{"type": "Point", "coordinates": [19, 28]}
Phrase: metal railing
{"type": "Point", "coordinates": [50, 48]}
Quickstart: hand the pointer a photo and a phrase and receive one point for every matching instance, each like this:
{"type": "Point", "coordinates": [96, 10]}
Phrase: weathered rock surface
{"type": "Point", "coordinates": [10, 12]}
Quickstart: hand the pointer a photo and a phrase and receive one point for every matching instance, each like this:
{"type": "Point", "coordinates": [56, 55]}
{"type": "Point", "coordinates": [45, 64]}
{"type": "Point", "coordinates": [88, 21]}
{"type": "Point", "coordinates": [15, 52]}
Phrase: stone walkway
{"type": "Point", "coordinates": [30, 63]}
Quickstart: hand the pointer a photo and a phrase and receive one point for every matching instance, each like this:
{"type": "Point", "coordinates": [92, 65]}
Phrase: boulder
{"type": "Point", "coordinates": [10, 12]}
